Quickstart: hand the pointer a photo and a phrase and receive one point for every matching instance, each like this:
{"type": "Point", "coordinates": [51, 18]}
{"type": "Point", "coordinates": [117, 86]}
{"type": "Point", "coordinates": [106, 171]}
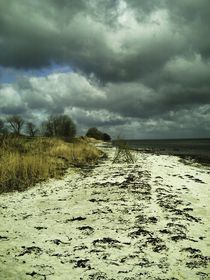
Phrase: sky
{"type": "Point", "coordinates": [131, 68]}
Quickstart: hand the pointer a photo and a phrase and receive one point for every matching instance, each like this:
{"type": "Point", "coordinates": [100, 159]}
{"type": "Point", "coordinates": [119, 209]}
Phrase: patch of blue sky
{"type": "Point", "coordinates": [10, 75]}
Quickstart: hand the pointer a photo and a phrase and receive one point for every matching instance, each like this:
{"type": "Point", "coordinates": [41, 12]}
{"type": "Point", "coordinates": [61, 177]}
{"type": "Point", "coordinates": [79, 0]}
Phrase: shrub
{"type": "Point", "coordinates": [93, 132]}
{"type": "Point", "coordinates": [106, 137]}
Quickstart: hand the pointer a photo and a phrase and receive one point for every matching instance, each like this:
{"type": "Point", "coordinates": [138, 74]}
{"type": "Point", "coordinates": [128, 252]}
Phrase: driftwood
{"type": "Point", "coordinates": [123, 152]}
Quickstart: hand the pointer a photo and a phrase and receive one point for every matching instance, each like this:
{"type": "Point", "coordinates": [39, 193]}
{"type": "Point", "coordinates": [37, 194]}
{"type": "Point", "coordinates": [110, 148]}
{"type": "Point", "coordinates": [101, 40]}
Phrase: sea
{"type": "Point", "coordinates": [195, 148]}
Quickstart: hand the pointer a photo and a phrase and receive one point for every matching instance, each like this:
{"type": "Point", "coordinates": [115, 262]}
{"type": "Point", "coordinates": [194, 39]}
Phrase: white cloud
{"type": "Point", "coordinates": [9, 96]}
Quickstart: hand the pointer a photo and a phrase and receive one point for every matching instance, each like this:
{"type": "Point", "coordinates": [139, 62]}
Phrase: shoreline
{"type": "Point", "coordinates": [201, 159]}
{"type": "Point", "coordinates": [142, 220]}
{"type": "Point", "coordinates": [184, 148]}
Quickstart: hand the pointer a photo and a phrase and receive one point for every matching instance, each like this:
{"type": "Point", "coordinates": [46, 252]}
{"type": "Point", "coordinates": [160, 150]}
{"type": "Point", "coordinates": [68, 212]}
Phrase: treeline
{"type": "Point", "coordinates": [55, 126]}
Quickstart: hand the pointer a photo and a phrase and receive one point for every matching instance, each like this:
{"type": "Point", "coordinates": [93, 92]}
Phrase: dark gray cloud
{"type": "Point", "coordinates": [136, 65]}
{"type": "Point", "coordinates": [105, 37]}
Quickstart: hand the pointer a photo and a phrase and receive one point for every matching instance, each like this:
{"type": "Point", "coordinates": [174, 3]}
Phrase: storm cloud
{"type": "Point", "coordinates": [137, 67]}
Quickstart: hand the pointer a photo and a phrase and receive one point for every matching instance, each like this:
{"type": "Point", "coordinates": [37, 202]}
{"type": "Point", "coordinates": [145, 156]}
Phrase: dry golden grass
{"type": "Point", "coordinates": [24, 161]}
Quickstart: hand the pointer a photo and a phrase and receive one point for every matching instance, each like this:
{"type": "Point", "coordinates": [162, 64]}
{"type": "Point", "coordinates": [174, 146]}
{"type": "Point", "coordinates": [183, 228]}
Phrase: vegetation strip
{"type": "Point", "coordinates": [26, 161]}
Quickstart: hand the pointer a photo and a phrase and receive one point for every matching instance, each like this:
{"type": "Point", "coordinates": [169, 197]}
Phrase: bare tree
{"type": "Point", "coordinates": [3, 129]}
{"type": "Point", "coordinates": [16, 123]}
{"type": "Point", "coordinates": [59, 126]}
{"type": "Point", "coordinates": [1, 125]}
{"type": "Point", "coordinates": [31, 129]}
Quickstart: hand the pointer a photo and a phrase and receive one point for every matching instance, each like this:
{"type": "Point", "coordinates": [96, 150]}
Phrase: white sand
{"type": "Point", "coordinates": [147, 220]}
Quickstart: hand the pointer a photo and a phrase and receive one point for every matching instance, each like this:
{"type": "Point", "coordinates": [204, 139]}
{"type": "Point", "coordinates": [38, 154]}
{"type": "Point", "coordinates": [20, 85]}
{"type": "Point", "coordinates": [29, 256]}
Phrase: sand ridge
{"type": "Point", "coordinates": [146, 220]}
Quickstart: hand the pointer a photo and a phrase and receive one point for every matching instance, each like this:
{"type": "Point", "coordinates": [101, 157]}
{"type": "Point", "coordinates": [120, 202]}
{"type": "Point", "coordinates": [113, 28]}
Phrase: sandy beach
{"type": "Point", "coordinates": [144, 220]}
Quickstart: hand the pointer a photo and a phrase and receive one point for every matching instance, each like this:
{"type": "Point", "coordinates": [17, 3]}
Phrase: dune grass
{"type": "Point", "coordinates": [26, 161]}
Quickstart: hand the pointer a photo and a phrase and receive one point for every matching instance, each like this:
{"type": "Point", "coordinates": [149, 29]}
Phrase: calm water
{"type": "Point", "coordinates": [197, 147]}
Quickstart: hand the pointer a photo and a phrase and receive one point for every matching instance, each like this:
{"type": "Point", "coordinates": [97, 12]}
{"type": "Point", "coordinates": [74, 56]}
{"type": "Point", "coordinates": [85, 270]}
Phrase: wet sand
{"type": "Point", "coordinates": [145, 220]}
